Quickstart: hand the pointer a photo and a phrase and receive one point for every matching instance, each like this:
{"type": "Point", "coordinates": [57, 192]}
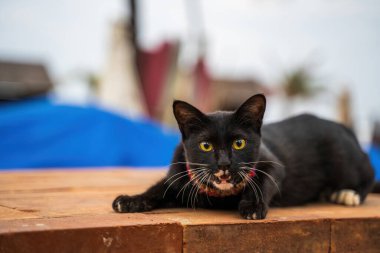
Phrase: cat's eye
{"type": "Point", "coordinates": [206, 146]}
{"type": "Point", "coordinates": [239, 144]}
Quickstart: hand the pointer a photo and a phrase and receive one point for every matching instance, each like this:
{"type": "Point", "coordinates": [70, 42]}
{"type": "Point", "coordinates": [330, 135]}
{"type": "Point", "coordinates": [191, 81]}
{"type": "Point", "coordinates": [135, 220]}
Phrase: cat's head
{"type": "Point", "coordinates": [220, 147]}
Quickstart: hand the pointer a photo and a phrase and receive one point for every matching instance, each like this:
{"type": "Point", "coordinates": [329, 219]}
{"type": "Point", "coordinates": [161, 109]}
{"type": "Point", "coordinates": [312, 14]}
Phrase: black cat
{"type": "Point", "coordinates": [227, 160]}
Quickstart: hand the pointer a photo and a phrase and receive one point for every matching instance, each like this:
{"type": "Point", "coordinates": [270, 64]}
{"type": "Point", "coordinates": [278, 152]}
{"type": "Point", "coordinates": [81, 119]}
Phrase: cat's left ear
{"type": "Point", "coordinates": [251, 112]}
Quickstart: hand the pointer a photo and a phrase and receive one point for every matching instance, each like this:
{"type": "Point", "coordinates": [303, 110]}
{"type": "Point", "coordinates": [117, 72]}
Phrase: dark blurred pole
{"type": "Point", "coordinates": [133, 23]}
{"type": "Point", "coordinates": [376, 134]}
{"type": "Point", "coordinates": [133, 31]}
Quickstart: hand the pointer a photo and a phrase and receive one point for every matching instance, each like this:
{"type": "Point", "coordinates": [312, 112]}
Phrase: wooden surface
{"type": "Point", "coordinates": [70, 211]}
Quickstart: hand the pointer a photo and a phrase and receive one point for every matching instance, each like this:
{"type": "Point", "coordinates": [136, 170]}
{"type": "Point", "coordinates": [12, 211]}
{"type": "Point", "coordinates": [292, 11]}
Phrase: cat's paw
{"type": "Point", "coordinates": [131, 204]}
{"type": "Point", "coordinates": [251, 210]}
{"type": "Point", "coordinates": [346, 197]}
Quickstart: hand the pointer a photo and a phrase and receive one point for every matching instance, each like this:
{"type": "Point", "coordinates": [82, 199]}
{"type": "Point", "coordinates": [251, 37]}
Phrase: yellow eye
{"type": "Point", "coordinates": [239, 144]}
{"type": "Point", "coordinates": [205, 146]}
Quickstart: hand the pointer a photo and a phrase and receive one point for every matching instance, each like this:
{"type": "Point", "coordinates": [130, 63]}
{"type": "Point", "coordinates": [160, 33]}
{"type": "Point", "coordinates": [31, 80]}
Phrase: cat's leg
{"type": "Point", "coordinates": [149, 200]}
{"type": "Point", "coordinates": [357, 186]}
{"type": "Point", "coordinates": [257, 196]}
{"type": "Point", "coordinates": [352, 196]}
{"type": "Point", "coordinates": [367, 178]}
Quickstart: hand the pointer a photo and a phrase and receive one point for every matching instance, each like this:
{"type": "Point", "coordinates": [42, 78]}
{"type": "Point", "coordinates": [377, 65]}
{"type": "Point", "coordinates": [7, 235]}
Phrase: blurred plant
{"type": "Point", "coordinates": [93, 80]}
{"type": "Point", "coordinates": [300, 82]}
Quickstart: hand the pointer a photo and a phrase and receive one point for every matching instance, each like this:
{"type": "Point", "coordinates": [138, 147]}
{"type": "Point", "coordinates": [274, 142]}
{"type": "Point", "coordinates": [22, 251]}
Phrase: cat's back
{"type": "Point", "coordinates": [305, 131]}
{"type": "Point", "coordinates": [303, 124]}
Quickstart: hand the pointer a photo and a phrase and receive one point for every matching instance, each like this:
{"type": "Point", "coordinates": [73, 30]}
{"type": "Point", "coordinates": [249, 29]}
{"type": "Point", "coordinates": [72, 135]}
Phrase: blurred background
{"type": "Point", "coordinates": [91, 83]}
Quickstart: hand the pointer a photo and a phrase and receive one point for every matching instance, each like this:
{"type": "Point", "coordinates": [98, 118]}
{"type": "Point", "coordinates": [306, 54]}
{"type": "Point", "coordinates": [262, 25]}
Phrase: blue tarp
{"type": "Point", "coordinates": [38, 133]}
{"type": "Point", "coordinates": [374, 155]}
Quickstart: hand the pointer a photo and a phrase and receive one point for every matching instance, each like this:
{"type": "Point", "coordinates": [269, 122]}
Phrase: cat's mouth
{"type": "Point", "coordinates": [221, 183]}
{"type": "Point", "coordinates": [222, 175]}
{"type": "Point", "coordinates": [219, 186]}
{"type": "Point", "coordinates": [222, 180]}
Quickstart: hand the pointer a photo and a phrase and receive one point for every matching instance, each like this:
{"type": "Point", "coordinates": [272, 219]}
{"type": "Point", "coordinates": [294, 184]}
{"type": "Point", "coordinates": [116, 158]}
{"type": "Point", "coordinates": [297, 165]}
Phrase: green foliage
{"type": "Point", "coordinates": [300, 83]}
{"type": "Point", "coordinates": [94, 80]}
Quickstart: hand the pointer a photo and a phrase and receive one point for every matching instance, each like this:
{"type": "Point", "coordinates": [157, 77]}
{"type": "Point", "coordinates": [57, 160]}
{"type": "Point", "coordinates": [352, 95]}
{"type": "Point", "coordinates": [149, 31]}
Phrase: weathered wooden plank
{"type": "Point", "coordinates": [311, 228]}
{"type": "Point", "coordinates": [282, 237]}
{"type": "Point", "coordinates": [355, 235]}
{"type": "Point", "coordinates": [99, 233]}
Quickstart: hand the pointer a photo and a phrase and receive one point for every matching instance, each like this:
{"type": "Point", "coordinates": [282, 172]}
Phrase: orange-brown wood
{"type": "Point", "coordinates": [70, 211]}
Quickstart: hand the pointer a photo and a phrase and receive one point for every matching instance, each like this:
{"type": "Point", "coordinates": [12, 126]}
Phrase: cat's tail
{"type": "Point", "coordinates": [376, 187]}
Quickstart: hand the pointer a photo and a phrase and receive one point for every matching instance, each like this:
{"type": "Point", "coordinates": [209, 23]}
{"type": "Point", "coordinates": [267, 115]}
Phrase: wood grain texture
{"type": "Point", "coordinates": [70, 211]}
{"type": "Point", "coordinates": [355, 235]}
{"type": "Point", "coordinates": [281, 237]}
{"type": "Point", "coordinates": [92, 235]}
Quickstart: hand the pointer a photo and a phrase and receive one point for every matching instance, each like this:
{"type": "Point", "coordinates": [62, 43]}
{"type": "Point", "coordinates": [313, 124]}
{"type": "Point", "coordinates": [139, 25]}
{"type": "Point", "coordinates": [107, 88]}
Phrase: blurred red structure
{"type": "Point", "coordinates": [153, 68]}
{"type": "Point", "coordinates": [202, 84]}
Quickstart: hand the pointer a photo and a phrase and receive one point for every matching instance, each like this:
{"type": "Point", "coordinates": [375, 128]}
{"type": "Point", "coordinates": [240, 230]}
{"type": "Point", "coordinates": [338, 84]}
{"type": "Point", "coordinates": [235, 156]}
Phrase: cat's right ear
{"type": "Point", "coordinates": [251, 112]}
{"type": "Point", "coordinates": [188, 117]}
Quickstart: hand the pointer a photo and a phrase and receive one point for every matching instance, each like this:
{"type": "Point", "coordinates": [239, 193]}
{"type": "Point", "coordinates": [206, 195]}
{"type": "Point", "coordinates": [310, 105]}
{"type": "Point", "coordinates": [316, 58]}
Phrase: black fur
{"type": "Point", "coordinates": [297, 161]}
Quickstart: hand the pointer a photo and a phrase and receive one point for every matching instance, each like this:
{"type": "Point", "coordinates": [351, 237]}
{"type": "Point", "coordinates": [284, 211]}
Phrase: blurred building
{"type": "Point", "coordinates": [119, 88]}
{"type": "Point", "coordinates": [228, 94]}
{"type": "Point", "coordinates": [20, 80]}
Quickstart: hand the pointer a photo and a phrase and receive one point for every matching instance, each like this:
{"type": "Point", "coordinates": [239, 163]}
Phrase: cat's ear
{"type": "Point", "coordinates": [251, 112]}
{"type": "Point", "coordinates": [188, 117]}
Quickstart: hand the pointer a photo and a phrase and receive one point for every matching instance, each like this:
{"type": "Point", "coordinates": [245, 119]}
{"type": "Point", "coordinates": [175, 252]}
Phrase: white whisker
{"type": "Point", "coordinates": [182, 176]}
{"type": "Point", "coordinates": [242, 179]}
{"type": "Point", "coordinates": [271, 178]}
{"type": "Point", "coordinates": [199, 184]}
{"type": "Point", "coordinates": [207, 184]}
{"type": "Point", "coordinates": [266, 174]}
{"type": "Point", "coordinates": [167, 188]}
{"type": "Point", "coordinates": [181, 172]}
{"type": "Point", "coordinates": [185, 186]}
{"type": "Point", "coordinates": [194, 187]}
{"type": "Point", "coordinates": [258, 188]}
{"type": "Point", "coordinates": [252, 186]}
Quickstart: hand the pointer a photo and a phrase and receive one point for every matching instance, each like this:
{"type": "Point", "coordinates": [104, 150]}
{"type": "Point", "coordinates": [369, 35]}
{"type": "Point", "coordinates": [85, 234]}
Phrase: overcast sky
{"type": "Point", "coordinates": [245, 38]}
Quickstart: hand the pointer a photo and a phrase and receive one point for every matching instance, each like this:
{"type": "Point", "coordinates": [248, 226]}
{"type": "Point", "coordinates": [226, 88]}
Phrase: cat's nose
{"type": "Point", "coordinates": [223, 161]}
{"type": "Point", "coordinates": [224, 165]}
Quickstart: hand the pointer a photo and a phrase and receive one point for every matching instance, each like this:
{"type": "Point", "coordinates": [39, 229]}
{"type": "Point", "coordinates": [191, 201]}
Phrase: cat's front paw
{"type": "Point", "coordinates": [251, 210]}
{"type": "Point", "coordinates": [131, 204]}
